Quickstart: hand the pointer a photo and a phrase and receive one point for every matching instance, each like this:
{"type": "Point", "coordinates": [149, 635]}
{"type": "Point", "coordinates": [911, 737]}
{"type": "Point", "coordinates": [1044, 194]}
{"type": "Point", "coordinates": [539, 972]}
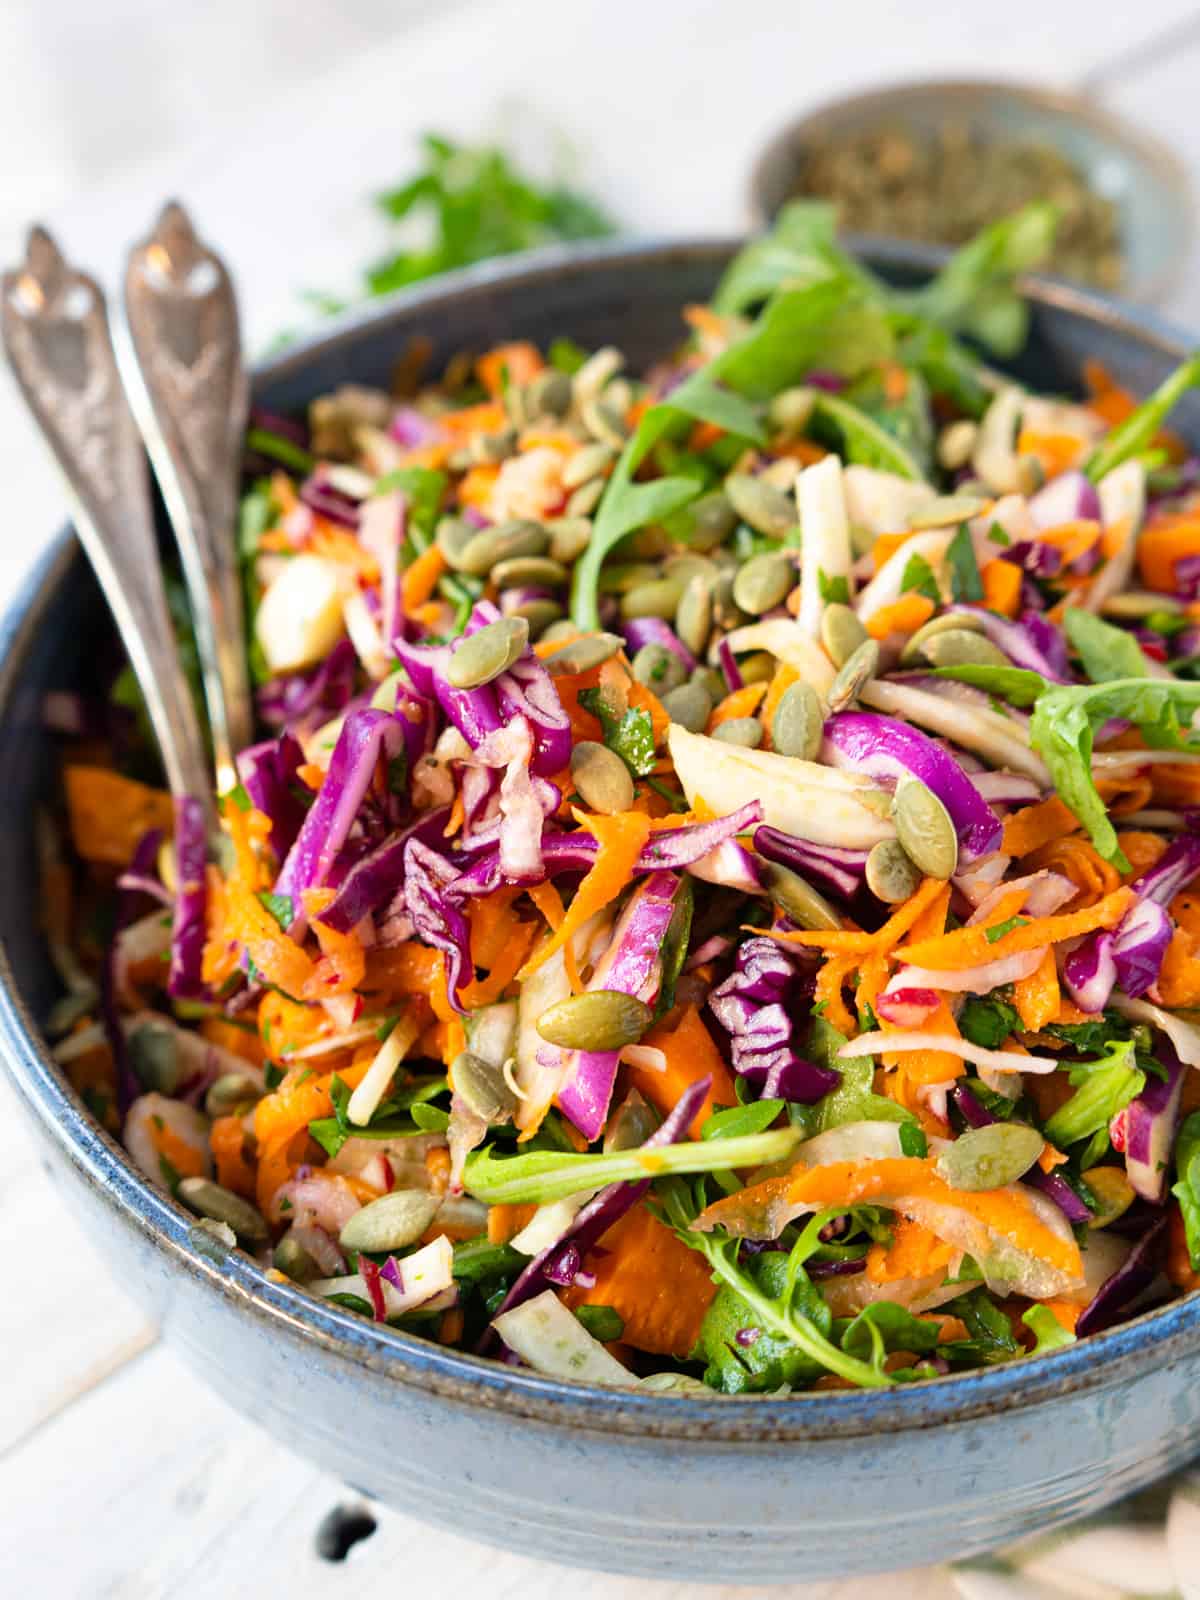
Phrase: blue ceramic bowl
{"type": "Point", "coordinates": [744, 1490]}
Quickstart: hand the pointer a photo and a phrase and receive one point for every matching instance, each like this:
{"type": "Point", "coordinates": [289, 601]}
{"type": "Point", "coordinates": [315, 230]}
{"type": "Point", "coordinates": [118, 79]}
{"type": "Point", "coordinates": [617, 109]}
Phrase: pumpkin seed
{"type": "Point", "coordinates": [231, 1095]}
{"type": "Point", "coordinates": [744, 731]}
{"type": "Point", "coordinates": [550, 393]}
{"type": "Point", "coordinates": [585, 499]}
{"type": "Point", "coordinates": [490, 546]}
{"type": "Point", "coordinates": [600, 1019]}
{"type": "Point", "coordinates": [693, 617]}
{"type": "Point", "coordinates": [540, 571]}
{"type": "Point", "coordinates": [956, 444]}
{"type": "Point", "coordinates": [726, 613]}
{"type": "Point", "coordinates": [561, 632]}
{"type": "Point", "coordinates": [791, 410]}
{"type": "Point", "coordinates": [211, 1199]}
{"type": "Point", "coordinates": [798, 724]}
{"type": "Point", "coordinates": [946, 510]}
{"type": "Point", "coordinates": [582, 654]}
{"type": "Point", "coordinates": [690, 706]}
{"type": "Point", "coordinates": [1030, 475]}
{"type": "Point", "coordinates": [757, 667]}
{"type": "Point", "coordinates": [538, 613]}
{"type": "Point", "coordinates": [294, 1261]}
{"type": "Point", "coordinates": [796, 898]}
{"type": "Point", "coordinates": [1136, 604]}
{"type": "Point", "coordinates": [914, 650]}
{"type": "Point", "coordinates": [767, 509]}
{"type": "Point", "coordinates": [516, 405]}
{"type": "Point", "coordinates": [588, 462]}
{"type": "Point", "coordinates": [604, 422]}
{"type": "Point", "coordinates": [154, 1057]}
{"type": "Point", "coordinates": [595, 372]}
{"type": "Point", "coordinates": [659, 668]}
{"type": "Point", "coordinates": [962, 647]}
{"type": "Point", "coordinates": [764, 582]}
{"type": "Point", "coordinates": [482, 656]}
{"type": "Point", "coordinates": [1113, 1191]}
{"type": "Point", "coordinates": [854, 674]}
{"type": "Point", "coordinates": [991, 1157]}
{"type": "Point", "coordinates": [601, 777]}
{"type": "Point", "coordinates": [569, 538]}
{"type": "Point", "coordinates": [711, 681]}
{"type": "Point", "coordinates": [452, 537]}
{"type": "Point", "coordinates": [713, 520]}
{"type": "Point", "coordinates": [924, 828]}
{"type": "Point", "coordinates": [391, 1222]}
{"type": "Point", "coordinates": [891, 876]}
{"type": "Point", "coordinates": [841, 632]}
{"type": "Point", "coordinates": [492, 447]}
{"type": "Point", "coordinates": [619, 577]}
{"type": "Point", "coordinates": [658, 598]}
{"type": "Point", "coordinates": [482, 1086]}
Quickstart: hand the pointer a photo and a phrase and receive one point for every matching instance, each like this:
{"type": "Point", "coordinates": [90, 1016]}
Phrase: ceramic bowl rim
{"type": "Point", "coordinates": [1145, 151]}
{"type": "Point", "coordinates": [288, 1313]}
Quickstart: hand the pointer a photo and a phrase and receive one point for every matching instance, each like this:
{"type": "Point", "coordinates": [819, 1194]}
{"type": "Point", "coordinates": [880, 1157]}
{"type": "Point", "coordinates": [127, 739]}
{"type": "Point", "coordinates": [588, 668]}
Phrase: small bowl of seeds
{"type": "Point", "coordinates": [936, 162]}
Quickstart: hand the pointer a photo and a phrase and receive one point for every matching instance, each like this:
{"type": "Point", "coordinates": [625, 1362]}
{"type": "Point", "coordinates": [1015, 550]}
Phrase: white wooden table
{"type": "Point", "coordinates": [120, 1476]}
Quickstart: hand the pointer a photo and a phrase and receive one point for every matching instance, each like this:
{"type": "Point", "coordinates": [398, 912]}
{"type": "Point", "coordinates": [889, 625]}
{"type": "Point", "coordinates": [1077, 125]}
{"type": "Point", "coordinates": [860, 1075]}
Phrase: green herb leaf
{"type": "Point", "coordinates": [987, 1022]}
{"type": "Point", "coordinates": [540, 1175]}
{"type": "Point", "coordinates": [630, 735]}
{"type": "Point", "coordinates": [834, 591]}
{"type": "Point", "coordinates": [997, 931]}
{"type": "Point", "coordinates": [429, 1119]}
{"type": "Point", "coordinates": [602, 1322]}
{"type": "Point", "coordinates": [918, 578]}
{"type": "Point", "coordinates": [965, 582]}
{"type": "Point", "coordinates": [1102, 1088]}
{"type": "Point", "coordinates": [1187, 1189]}
{"type": "Point", "coordinates": [1107, 652]}
{"type": "Point", "coordinates": [280, 907]}
{"type": "Point", "coordinates": [737, 1121]}
{"type": "Point", "coordinates": [423, 490]}
{"type": "Point", "coordinates": [479, 1260]}
{"type": "Point", "coordinates": [1133, 435]}
{"type": "Point", "coordinates": [884, 1326]}
{"type": "Point", "coordinates": [675, 946]}
{"type": "Point", "coordinates": [913, 1141]}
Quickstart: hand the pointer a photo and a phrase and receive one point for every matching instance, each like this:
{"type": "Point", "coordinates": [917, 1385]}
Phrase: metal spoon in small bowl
{"type": "Point", "coordinates": [179, 351]}
{"type": "Point", "coordinates": [55, 332]}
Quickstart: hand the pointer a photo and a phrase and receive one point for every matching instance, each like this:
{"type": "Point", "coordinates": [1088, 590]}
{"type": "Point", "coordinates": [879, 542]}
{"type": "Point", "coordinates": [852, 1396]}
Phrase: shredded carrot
{"type": "Point", "coordinates": [420, 579]}
{"type": "Point", "coordinates": [1055, 451]}
{"type": "Point", "coordinates": [504, 1222]}
{"type": "Point", "coordinates": [1141, 850]}
{"type": "Point", "coordinates": [1165, 541]}
{"type": "Point", "coordinates": [851, 942]}
{"type": "Point", "coordinates": [280, 959]}
{"type": "Point", "coordinates": [109, 814]}
{"type": "Point", "coordinates": [508, 365]}
{"type": "Point", "coordinates": [1038, 996]}
{"type": "Point", "coordinates": [831, 979]}
{"type": "Point", "coordinates": [931, 920]}
{"type": "Point", "coordinates": [690, 1052]}
{"type": "Point", "coordinates": [344, 961]}
{"type": "Point", "coordinates": [1081, 862]}
{"type": "Point", "coordinates": [1176, 784]}
{"type": "Point", "coordinates": [1072, 539]}
{"type": "Point", "coordinates": [905, 615]}
{"type": "Point", "coordinates": [486, 417]}
{"type": "Point", "coordinates": [185, 1158]}
{"type": "Point", "coordinates": [658, 1286]}
{"type": "Point", "coordinates": [969, 947]}
{"type": "Point", "coordinates": [1064, 1312]}
{"type": "Point", "coordinates": [886, 545]}
{"type": "Point", "coordinates": [1033, 826]}
{"type": "Point", "coordinates": [703, 436]}
{"type": "Point", "coordinates": [437, 1165]}
{"type": "Point", "coordinates": [742, 702]}
{"type": "Point", "coordinates": [475, 488]}
{"type": "Point", "coordinates": [410, 969]}
{"type": "Point", "coordinates": [502, 969]}
{"type": "Point", "coordinates": [805, 451]}
{"type": "Point", "coordinates": [1002, 587]}
{"type": "Point", "coordinates": [1179, 1263]}
{"type": "Point", "coordinates": [341, 546]}
{"type": "Point", "coordinates": [238, 1041]}
{"type": "Point", "coordinates": [915, 1252]}
{"type": "Point", "coordinates": [549, 902]}
{"type": "Point", "coordinates": [227, 1140]}
{"type": "Point", "coordinates": [621, 839]}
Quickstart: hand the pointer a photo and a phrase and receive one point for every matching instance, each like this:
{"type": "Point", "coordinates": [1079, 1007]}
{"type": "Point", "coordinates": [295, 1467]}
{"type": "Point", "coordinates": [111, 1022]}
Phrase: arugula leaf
{"type": "Point", "coordinates": [738, 1120]}
{"type": "Point", "coordinates": [477, 1260]}
{"type": "Point", "coordinates": [854, 1099]}
{"type": "Point", "coordinates": [630, 736]}
{"type": "Point", "coordinates": [1187, 1189]}
{"type": "Point", "coordinates": [1047, 1330]}
{"type": "Point", "coordinates": [974, 291]}
{"type": "Point", "coordinates": [1063, 726]}
{"type": "Point", "coordinates": [884, 1326]}
{"type": "Point", "coordinates": [1102, 1088]}
{"type": "Point", "coordinates": [1017, 685]}
{"type": "Point", "coordinates": [965, 582]}
{"type": "Point", "coordinates": [540, 1175]}
{"type": "Point", "coordinates": [947, 367]}
{"type": "Point", "coordinates": [423, 489]}
{"type": "Point", "coordinates": [918, 578]}
{"type": "Point", "coordinates": [799, 248]}
{"type": "Point", "coordinates": [902, 411]}
{"type": "Point", "coordinates": [987, 1022]}
{"type": "Point", "coordinates": [1133, 435]}
{"type": "Point", "coordinates": [1107, 652]}
{"type": "Point", "coordinates": [1096, 1035]}
{"type": "Point", "coordinates": [859, 439]}
{"type": "Point", "coordinates": [429, 1119]}
{"type": "Point", "coordinates": [743, 1352]}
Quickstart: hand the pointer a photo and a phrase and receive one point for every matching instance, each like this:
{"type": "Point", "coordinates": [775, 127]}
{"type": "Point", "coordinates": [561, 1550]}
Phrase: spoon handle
{"type": "Point", "coordinates": [54, 324]}
{"type": "Point", "coordinates": [180, 354]}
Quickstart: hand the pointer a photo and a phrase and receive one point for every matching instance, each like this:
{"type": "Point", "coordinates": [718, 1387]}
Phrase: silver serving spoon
{"type": "Point", "coordinates": [54, 325]}
{"type": "Point", "coordinates": [179, 352]}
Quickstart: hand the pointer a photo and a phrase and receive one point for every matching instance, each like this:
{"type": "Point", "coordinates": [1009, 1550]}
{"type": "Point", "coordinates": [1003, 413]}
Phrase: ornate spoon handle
{"type": "Point", "coordinates": [55, 331]}
{"type": "Point", "coordinates": [180, 355]}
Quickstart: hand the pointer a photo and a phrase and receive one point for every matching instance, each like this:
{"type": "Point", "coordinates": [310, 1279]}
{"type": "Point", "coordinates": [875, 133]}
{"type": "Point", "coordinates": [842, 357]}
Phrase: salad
{"type": "Point", "coordinates": [715, 905]}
